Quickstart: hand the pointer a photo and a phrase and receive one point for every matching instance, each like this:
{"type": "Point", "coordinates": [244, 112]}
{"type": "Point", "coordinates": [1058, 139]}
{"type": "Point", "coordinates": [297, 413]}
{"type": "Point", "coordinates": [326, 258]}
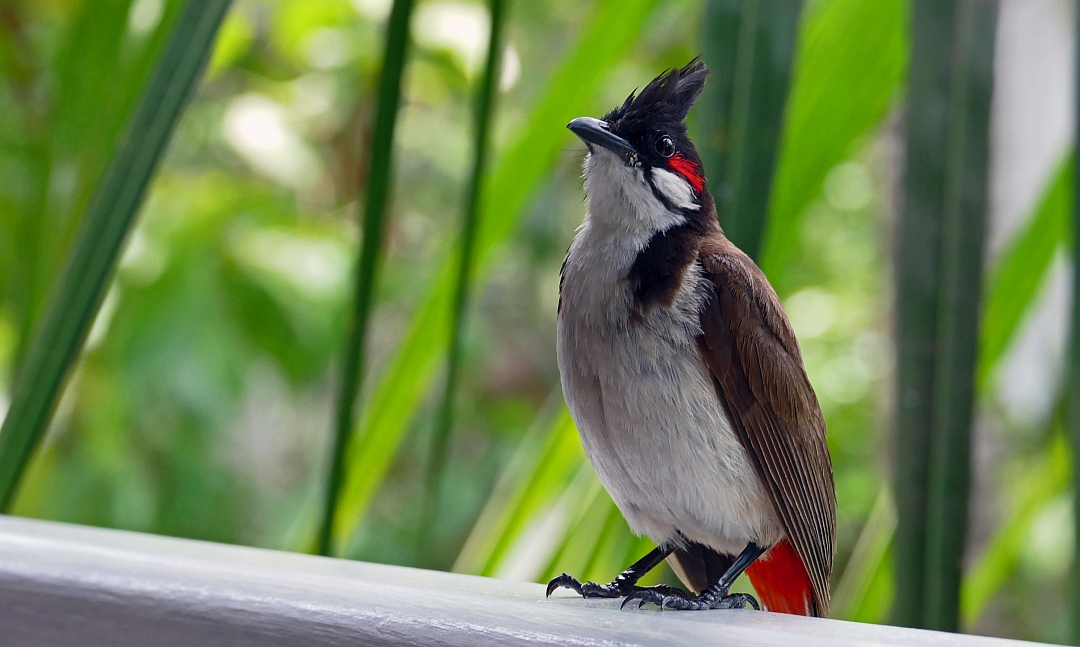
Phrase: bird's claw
{"type": "Point", "coordinates": [681, 603]}
{"type": "Point", "coordinates": [585, 589]}
{"type": "Point", "coordinates": [645, 596]}
{"type": "Point", "coordinates": [738, 601]}
{"type": "Point", "coordinates": [565, 581]}
{"type": "Point", "coordinates": [665, 590]}
{"type": "Point", "coordinates": [616, 589]}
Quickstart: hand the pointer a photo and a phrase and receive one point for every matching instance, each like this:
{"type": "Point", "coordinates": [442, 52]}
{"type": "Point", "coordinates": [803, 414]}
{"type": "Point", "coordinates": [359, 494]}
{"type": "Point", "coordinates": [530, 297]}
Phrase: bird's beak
{"type": "Point", "coordinates": [595, 131]}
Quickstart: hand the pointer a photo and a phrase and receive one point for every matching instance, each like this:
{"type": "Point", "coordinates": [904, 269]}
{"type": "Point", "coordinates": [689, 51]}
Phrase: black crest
{"type": "Point", "coordinates": [667, 99]}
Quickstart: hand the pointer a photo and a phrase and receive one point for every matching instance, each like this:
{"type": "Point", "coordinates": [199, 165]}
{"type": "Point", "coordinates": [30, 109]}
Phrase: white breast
{"type": "Point", "coordinates": [645, 405]}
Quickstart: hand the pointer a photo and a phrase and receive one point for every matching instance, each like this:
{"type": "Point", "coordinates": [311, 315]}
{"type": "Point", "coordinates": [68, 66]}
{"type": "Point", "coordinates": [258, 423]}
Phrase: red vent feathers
{"type": "Point", "coordinates": [781, 581]}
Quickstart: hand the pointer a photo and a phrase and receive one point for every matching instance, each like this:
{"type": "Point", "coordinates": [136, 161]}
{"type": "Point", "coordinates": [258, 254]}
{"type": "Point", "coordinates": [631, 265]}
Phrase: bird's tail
{"type": "Point", "coordinates": [781, 581]}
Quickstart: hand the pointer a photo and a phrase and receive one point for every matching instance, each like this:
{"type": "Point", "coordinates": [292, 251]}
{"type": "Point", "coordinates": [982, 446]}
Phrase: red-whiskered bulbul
{"type": "Point", "coordinates": [684, 377]}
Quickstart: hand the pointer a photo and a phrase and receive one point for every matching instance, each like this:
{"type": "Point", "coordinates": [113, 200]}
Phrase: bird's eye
{"type": "Point", "coordinates": [665, 147]}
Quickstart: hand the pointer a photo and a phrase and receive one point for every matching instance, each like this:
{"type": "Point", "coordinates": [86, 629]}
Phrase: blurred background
{"type": "Point", "coordinates": [202, 404]}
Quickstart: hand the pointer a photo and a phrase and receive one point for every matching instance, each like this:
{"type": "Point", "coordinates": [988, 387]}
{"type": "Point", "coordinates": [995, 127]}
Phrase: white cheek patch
{"type": "Point", "coordinates": [675, 188]}
{"type": "Point", "coordinates": [621, 199]}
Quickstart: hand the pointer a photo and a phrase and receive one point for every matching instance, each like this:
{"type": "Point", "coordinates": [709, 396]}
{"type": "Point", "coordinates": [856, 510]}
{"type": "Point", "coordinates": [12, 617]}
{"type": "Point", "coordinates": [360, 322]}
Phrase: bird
{"type": "Point", "coordinates": [684, 377]}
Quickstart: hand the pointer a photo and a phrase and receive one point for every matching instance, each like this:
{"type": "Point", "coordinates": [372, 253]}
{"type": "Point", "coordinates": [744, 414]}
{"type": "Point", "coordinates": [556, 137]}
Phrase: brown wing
{"type": "Point", "coordinates": [751, 350]}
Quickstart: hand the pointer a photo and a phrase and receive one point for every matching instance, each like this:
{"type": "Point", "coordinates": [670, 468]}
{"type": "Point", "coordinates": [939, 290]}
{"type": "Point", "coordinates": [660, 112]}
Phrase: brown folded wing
{"type": "Point", "coordinates": [751, 350]}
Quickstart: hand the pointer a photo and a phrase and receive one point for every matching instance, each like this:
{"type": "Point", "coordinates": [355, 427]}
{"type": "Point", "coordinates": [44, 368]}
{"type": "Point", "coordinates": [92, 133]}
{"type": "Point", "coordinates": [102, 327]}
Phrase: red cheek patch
{"type": "Point", "coordinates": [689, 170]}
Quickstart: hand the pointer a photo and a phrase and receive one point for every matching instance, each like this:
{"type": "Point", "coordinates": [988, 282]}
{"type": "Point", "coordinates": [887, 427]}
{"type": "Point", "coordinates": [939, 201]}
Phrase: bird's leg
{"type": "Point", "coordinates": [625, 583]}
{"type": "Point", "coordinates": [714, 597]}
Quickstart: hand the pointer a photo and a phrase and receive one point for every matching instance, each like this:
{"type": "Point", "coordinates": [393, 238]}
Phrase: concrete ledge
{"type": "Point", "coordinates": [72, 585]}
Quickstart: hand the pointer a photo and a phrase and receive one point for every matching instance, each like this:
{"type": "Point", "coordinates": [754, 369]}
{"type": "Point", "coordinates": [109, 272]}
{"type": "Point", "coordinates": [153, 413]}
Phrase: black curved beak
{"type": "Point", "coordinates": [595, 131]}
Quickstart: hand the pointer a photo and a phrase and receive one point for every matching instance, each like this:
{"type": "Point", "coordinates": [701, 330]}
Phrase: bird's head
{"type": "Point", "coordinates": [641, 161]}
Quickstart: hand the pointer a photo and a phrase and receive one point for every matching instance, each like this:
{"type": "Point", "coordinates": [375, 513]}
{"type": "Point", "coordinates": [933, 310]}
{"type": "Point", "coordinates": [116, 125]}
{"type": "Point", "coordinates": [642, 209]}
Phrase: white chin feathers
{"type": "Point", "coordinates": [620, 196]}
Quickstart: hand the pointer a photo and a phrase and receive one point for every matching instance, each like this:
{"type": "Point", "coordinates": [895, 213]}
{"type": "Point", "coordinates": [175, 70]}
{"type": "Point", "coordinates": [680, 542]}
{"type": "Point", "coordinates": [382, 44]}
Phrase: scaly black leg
{"type": "Point", "coordinates": [714, 597]}
{"type": "Point", "coordinates": [624, 584]}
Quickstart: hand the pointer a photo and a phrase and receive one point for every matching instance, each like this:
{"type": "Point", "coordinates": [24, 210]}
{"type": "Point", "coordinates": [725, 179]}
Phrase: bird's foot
{"type": "Point", "coordinates": [616, 589]}
{"type": "Point", "coordinates": [707, 600]}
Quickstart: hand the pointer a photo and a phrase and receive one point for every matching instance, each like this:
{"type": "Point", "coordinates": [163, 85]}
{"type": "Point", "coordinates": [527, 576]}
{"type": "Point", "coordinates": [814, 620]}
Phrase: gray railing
{"type": "Point", "coordinates": [72, 585]}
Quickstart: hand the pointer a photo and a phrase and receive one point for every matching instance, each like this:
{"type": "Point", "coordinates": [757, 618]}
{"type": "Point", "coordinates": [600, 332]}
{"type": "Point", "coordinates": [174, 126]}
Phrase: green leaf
{"type": "Point", "coordinates": [370, 252]}
{"type": "Point", "coordinates": [549, 490]}
{"type": "Point", "coordinates": [1011, 288]}
{"type": "Point", "coordinates": [485, 100]}
{"type": "Point", "coordinates": [918, 282]}
{"type": "Point", "coordinates": [1016, 278]}
{"type": "Point", "coordinates": [612, 28]}
{"type": "Point", "coordinates": [99, 73]}
{"type": "Point", "coordinates": [1044, 480]}
{"type": "Point", "coordinates": [869, 556]}
{"type": "Point", "coordinates": [93, 256]}
{"type": "Point", "coordinates": [956, 343]}
{"type": "Point", "coordinates": [749, 46]}
{"type": "Point", "coordinates": [1072, 378]}
{"type": "Point", "coordinates": [581, 544]}
{"type": "Point", "coordinates": [880, 593]}
{"type": "Point", "coordinates": [544, 467]}
{"type": "Point", "coordinates": [850, 57]}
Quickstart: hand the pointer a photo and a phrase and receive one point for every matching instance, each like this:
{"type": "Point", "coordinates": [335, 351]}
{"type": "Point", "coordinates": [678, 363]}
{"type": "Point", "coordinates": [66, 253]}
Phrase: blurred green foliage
{"type": "Point", "coordinates": [201, 405]}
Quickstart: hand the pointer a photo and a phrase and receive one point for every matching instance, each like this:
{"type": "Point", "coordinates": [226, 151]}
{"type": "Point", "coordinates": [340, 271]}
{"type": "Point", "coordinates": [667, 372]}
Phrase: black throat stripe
{"type": "Point", "coordinates": [657, 272]}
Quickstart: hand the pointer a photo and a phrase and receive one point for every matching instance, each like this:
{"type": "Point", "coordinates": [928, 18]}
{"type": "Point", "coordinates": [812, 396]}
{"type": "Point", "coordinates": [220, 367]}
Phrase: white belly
{"type": "Point", "coordinates": [650, 421]}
